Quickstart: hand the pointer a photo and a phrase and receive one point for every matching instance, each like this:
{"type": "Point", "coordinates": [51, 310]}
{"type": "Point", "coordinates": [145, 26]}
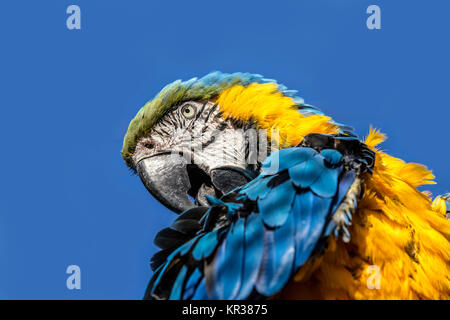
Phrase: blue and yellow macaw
{"type": "Point", "coordinates": [276, 200]}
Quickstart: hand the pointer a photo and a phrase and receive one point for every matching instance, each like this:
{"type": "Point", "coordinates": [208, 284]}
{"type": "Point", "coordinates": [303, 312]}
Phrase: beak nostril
{"type": "Point", "coordinates": [149, 145]}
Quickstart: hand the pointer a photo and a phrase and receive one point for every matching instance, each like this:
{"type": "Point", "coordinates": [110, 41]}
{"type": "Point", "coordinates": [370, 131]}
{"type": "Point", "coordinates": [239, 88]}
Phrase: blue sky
{"type": "Point", "coordinates": [67, 97]}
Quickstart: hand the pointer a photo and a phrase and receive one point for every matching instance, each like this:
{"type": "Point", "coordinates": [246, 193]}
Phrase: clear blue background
{"type": "Point", "coordinates": [66, 98]}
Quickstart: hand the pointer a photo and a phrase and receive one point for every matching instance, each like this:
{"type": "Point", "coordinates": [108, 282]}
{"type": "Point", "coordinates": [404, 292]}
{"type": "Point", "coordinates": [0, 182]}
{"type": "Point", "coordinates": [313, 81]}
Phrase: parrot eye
{"type": "Point", "coordinates": [188, 111]}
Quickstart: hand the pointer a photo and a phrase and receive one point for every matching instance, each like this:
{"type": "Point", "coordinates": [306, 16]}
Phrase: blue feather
{"type": "Point", "coordinates": [347, 138]}
{"type": "Point", "coordinates": [331, 155]}
{"type": "Point", "coordinates": [326, 185]}
{"type": "Point", "coordinates": [175, 293]}
{"type": "Point", "coordinates": [303, 222]}
{"type": "Point", "coordinates": [345, 182]}
{"type": "Point", "coordinates": [256, 189]}
{"type": "Point", "coordinates": [200, 292]}
{"type": "Point", "coordinates": [306, 173]}
{"type": "Point", "coordinates": [228, 262]}
{"type": "Point", "coordinates": [278, 258]}
{"type": "Point", "coordinates": [298, 100]}
{"type": "Point", "coordinates": [187, 246]}
{"type": "Point", "coordinates": [169, 260]}
{"type": "Point", "coordinates": [285, 159]}
{"type": "Point", "coordinates": [275, 207]}
{"type": "Point", "coordinates": [310, 215]}
{"type": "Point", "coordinates": [191, 284]}
{"type": "Point", "coordinates": [310, 111]}
{"type": "Point", "coordinates": [254, 237]}
{"type": "Point", "coordinates": [205, 246]}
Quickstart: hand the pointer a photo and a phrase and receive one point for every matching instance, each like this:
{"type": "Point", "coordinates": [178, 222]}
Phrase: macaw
{"type": "Point", "coordinates": [277, 200]}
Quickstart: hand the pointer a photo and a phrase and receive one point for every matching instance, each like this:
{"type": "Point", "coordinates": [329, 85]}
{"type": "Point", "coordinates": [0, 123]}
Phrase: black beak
{"type": "Point", "coordinates": [171, 180]}
{"type": "Point", "coordinates": [166, 177]}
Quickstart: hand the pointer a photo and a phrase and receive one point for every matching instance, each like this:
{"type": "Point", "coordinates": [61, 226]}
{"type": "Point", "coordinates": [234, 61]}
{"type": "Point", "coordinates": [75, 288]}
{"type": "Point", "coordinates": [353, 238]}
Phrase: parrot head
{"type": "Point", "coordinates": [210, 135]}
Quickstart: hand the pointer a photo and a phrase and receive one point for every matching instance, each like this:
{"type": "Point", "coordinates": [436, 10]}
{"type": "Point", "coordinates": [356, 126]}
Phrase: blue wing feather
{"type": "Point", "coordinates": [278, 258]}
{"type": "Point", "coordinates": [326, 185]}
{"type": "Point", "coordinates": [332, 156]}
{"type": "Point", "coordinates": [254, 239]}
{"type": "Point", "coordinates": [275, 207]}
{"type": "Point", "coordinates": [185, 247]}
{"type": "Point", "coordinates": [306, 173]}
{"type": "Point", "coordinates": [200, 292]}
{"type": "Point", "coordinates": [205, 246]}
{"type": "Point", "coordinates": [346, 181]}
{"type": "Point", "coordinates": [228, 263]}
{"type": "Point", "coordinates": [192, 283]}
{"type": "Point", "coordinates": [256, 189]}
{"type": "Point", "coordinates": [285, 159]}
{"type": "Point", "coordinates": [310, 213]}
{"type": "Point", "coordinates": [175, 294]}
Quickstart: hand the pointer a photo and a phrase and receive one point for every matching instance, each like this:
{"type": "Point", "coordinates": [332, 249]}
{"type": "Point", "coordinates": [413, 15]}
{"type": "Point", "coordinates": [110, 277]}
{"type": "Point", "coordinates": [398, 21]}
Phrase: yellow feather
{"type": "Point", "coordinates": [439, 206]}
{"type": "Point", "coordinates": [270, 109]}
